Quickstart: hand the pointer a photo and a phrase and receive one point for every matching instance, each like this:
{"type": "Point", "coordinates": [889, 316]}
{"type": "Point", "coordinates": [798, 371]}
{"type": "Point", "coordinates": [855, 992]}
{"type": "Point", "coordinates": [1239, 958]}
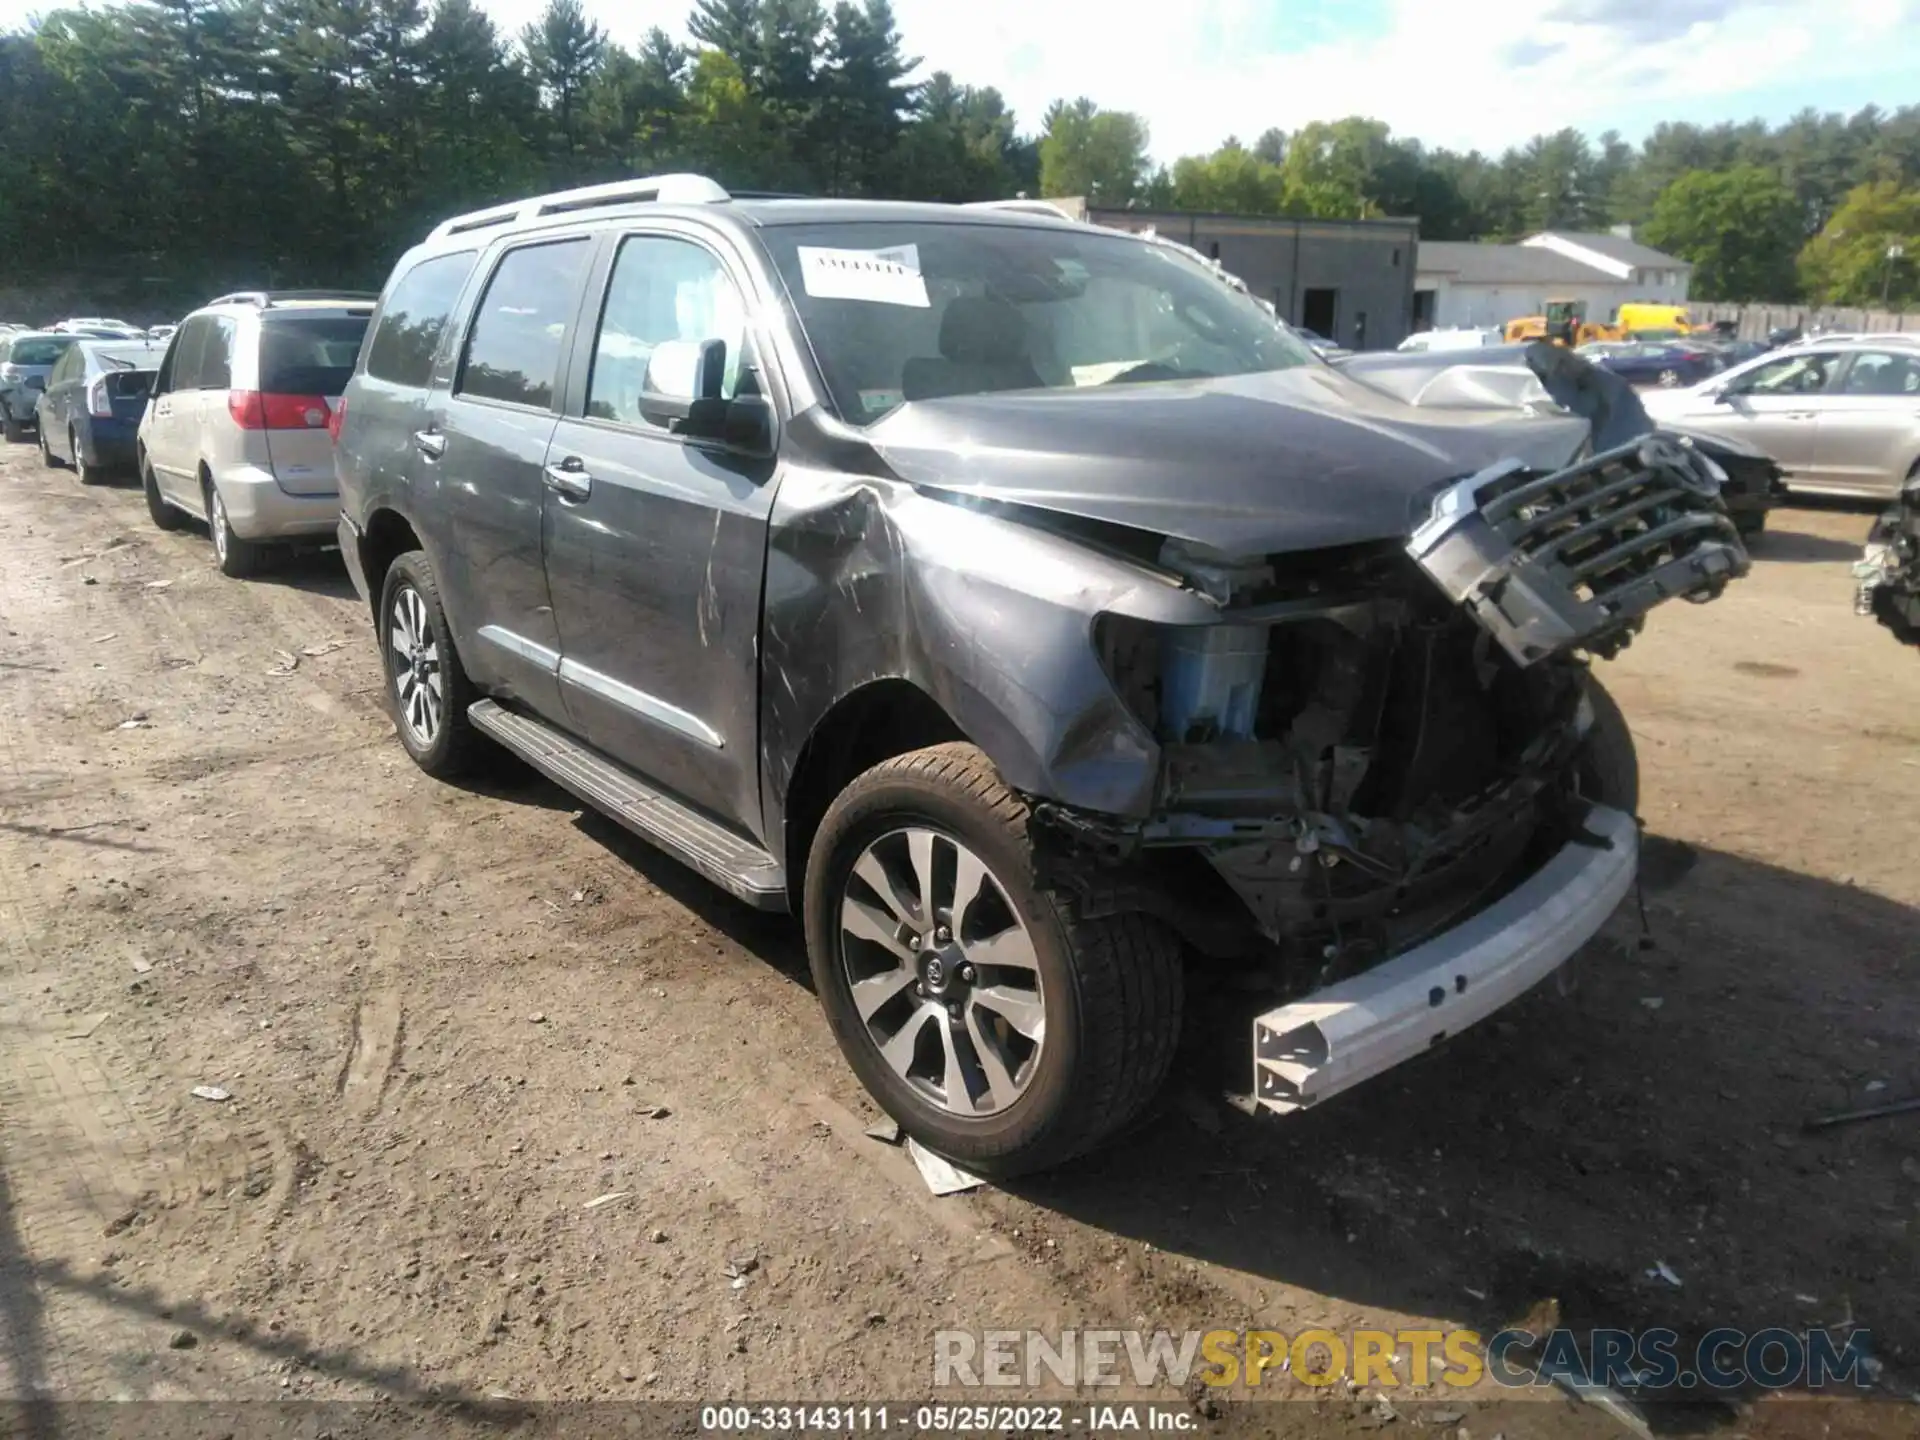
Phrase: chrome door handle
{"type": "Point", "coordinates": [430, 443]}
{"type": "Point", "coordinates": [569, 479]}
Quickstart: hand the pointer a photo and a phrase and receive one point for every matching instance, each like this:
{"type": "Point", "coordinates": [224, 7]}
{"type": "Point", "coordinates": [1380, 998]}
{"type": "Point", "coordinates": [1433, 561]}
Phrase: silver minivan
{"type": "Point", "coordinates": [238, 431]}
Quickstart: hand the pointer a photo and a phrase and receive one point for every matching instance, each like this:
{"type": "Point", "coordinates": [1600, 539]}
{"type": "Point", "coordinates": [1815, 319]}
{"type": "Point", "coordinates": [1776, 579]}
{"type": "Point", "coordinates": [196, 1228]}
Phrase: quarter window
{"type": "Point", "coordinates": [513, 350]}
{"type": "Point", "coordinates": [415, 317]}
{"type": "Point", "coordinates": [663, 292]}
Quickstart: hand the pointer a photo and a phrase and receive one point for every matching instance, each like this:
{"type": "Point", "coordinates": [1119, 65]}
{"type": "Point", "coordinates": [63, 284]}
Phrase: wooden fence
{"type": "Point", "coordinates": [1756, 320]}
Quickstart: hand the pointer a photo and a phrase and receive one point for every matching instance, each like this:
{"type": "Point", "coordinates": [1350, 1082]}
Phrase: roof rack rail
{"type": "Point", "coordinates": [1021, 207]}
{"type": "Point", "coordinates": [268, 298]}
{"type": "Point", "coordinates": [664, 189]}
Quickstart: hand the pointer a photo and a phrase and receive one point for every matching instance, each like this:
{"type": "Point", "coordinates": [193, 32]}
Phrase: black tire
{"type": "Point", "coordinates": [13, 429]}
{"type": "Point", "coordinates": [163, 515]}
{"type": "Point", "coordinates": [456, 748]}
{"type": "Point", "coordinates": [47, 457]}
{"type": "Point", "coordinates": [238, 559]}
{"type": "Point", "coordinates": [1609, 764]}
{"type": "Point", "coordinates": [89, 474]}
{"type": "Point", "coordinates": [1113, 986]}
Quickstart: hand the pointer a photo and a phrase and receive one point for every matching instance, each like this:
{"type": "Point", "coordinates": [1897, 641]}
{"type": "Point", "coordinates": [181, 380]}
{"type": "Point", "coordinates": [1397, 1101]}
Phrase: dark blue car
{"type": "Point", "coordinates": [1665, 363]}
{"type": "Point", "coordinates": [93, 402]}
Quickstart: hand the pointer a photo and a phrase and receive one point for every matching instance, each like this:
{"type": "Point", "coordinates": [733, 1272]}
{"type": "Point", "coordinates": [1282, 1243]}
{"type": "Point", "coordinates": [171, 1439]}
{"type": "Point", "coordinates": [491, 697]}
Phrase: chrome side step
{"type": "Point", "coordinates": [729, 860]}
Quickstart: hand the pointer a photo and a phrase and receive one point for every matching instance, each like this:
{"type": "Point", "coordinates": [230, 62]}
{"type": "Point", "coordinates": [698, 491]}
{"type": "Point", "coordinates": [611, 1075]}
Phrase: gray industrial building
{"type": "Point", "coordinates": [1349, 280]}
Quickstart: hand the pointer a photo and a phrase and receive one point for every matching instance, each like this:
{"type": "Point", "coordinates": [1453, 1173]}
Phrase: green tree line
{"type": "Point", "coordinates": [309, 141]}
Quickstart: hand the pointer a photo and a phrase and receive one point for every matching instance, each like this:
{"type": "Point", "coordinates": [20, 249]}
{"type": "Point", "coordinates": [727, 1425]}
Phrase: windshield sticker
{"type": "Point", "coordinates": [885, 277]}
{"type": "Point", "coordinates": [878, 402]}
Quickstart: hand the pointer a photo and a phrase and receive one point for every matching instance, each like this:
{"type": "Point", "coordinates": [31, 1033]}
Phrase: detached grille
{"type": "Point", "coordinates": [1548, 563]}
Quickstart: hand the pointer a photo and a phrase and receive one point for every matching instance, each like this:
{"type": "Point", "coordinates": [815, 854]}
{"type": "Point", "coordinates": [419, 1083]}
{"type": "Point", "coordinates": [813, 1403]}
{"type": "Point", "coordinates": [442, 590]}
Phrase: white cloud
{"type": "Point", "coordinates": [1451, 72]}
{"type": "Point", "coordinates": [1485, 73]}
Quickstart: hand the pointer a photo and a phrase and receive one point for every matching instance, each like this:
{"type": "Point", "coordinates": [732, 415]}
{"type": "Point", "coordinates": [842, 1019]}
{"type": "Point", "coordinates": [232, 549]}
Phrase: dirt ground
{"type": "Point", "coordinates": [447, 1019]}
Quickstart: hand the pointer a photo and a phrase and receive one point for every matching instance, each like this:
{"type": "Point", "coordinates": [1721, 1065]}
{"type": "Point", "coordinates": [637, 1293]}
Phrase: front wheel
{"type": "Point", "coordinates": [427, 689]}
{"type": "Point", "coordinates": [13, 429]}
{"type": "Point", "coordinates": [47, 457]}
{"type": "Point", "coordinates": [1000, 1028]}
{"type": "Point", "coordinates": [163, 515]}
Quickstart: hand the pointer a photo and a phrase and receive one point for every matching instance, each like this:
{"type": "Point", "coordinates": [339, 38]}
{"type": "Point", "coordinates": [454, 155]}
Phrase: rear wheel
{"type": "Point", "coordinates": [1000, 1028]}
{"type": "Point", "coordinates": [163, 515]}
{"type": "Point", "coordinates": [89, 474]}
{"type": "Point", "coordinates": [237, 558]}
{"type": "Point", "coordinates": [427, 689]}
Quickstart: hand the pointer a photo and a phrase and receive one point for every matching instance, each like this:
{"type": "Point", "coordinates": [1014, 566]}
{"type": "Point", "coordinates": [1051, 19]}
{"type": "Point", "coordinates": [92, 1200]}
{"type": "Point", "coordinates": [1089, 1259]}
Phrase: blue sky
{"type": "Point", "coordinates": [1484, 73]}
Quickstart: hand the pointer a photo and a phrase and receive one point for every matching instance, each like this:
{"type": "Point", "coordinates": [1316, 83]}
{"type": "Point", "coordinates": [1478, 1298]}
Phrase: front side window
{"type": "Point", "coordinates": [513, 348]}
{"type": "Point", "coordinates": [1789, 375]}
{"type": "Point", "coordinates": [902, 312]}
{"type": "Point", "coordinates": [66, 367]}
{"type": "Point", "coordinates": [664, 298]}
{"type": "Point", "coordinates": [216, 361]}
{"type": "Point", "coordinates": [186, 361]}
{"type": "Point", "coordinates": [415, 317]}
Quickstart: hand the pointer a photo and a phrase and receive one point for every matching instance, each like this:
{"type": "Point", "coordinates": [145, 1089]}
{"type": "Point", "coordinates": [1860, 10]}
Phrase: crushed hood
{"type": "Point", "coordinates": [1294, 459]}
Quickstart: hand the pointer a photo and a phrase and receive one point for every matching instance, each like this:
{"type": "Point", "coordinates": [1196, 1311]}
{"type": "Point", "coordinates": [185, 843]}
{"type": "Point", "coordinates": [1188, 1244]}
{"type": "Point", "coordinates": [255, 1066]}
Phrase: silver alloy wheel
{"type": "Point", "coordinates": [1669, 379]}
{"type": "Point", "coordinates": [414, 655]}
{"type": "Point", "coordinates": [942, 971]}
{"type": "Point", "coordinates": [217, 522]}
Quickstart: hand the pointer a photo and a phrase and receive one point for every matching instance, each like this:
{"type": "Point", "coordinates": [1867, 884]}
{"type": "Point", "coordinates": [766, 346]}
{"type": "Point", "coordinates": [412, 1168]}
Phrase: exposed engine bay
{"type": "Point", "coordinates": [1376, 741]}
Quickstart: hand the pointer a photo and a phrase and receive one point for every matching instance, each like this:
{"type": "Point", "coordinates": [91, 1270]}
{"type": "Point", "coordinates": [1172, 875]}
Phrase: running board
{"type": "Point", "coordinates": [729, 860]}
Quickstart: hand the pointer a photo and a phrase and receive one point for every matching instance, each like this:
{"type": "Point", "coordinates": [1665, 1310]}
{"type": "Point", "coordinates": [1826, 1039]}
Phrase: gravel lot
{"type": "Point", "coordinates": [448, 1018]}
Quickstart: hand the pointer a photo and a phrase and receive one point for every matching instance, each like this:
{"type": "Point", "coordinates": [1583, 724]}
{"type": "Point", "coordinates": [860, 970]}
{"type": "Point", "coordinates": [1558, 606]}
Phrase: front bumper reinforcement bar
{"type": "Point", "coordinates": [1337, 1037]}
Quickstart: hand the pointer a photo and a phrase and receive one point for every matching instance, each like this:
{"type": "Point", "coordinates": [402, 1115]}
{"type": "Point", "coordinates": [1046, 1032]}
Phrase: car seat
{"type": "Point", "coordinates": [983, 347]}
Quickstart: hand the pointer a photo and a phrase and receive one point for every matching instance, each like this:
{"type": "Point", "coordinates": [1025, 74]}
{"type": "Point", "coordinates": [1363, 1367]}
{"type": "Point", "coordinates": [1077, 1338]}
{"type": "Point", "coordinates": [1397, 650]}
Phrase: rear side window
{"type": "Point", "coordinates": [415, 317]}
{"type": "Point", "coordinates": [513, 349]}
{"type": "Point", "coordinates": [38, 352]}
{"type": "Point", "coordinates": [309, 354]}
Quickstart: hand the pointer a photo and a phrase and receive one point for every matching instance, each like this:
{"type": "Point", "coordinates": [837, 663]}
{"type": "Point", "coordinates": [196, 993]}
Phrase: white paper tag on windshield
{"type": "Point", "coordinates": [886, 277]}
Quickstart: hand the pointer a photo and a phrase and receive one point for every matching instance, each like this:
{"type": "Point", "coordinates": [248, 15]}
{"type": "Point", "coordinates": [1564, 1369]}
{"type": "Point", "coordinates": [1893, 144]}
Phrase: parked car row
{"type": "Point", "coordinates": [1007, 596]}
{"type": "Point", "coordinates": [28, 356]}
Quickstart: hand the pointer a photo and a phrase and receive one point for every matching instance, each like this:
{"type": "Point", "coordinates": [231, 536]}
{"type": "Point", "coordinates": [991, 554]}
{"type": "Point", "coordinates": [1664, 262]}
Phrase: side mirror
{"type": "Point", "coordinates": [36, 382]}
{"type": "Point", "coordinates": [681, 393]}
{"type": "Point", "coordinates": [681, 389]}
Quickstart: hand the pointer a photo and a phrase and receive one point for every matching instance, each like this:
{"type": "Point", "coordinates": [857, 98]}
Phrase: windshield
{"type": "Point", "coordinates": [919, 311]}
{"type": "Point", "coordinates": [309, 354]}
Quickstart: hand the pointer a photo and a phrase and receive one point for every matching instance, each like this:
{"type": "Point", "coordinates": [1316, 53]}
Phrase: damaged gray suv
{"type": "Point", "coordinates": [1029, 611]}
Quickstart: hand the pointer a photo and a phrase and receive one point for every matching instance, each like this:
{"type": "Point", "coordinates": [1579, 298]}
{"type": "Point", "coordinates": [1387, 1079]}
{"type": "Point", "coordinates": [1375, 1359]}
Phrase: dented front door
{"type": "Point", "coordinates": [656, 545]}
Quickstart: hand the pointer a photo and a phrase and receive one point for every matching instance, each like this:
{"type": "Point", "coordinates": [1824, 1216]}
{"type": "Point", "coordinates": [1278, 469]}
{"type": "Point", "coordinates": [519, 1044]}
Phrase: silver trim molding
{"type": "Point", "coordinates": [638, 702]}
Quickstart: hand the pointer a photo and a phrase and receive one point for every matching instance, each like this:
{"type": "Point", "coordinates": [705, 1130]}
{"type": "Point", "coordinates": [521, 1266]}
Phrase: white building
{"type": "Point", "coordinates": [1468, 284]}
